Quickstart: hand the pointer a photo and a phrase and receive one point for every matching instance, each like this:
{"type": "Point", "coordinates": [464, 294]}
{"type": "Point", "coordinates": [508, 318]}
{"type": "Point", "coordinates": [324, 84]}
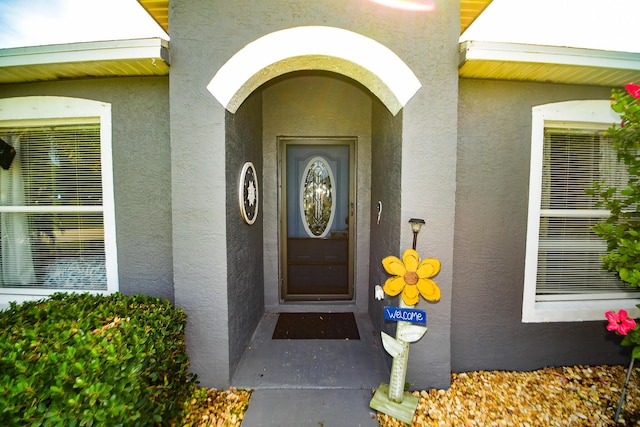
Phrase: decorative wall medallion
{"type": "Point", "coordinates": [317, 206]}
{"type": "Point", "coordinates": [248, 193]}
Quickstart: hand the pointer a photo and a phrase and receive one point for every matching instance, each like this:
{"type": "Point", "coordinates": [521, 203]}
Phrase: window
{"type": "Point", "coordinates": [57, 226]}
{"type": "Point", "coordinates": [564, 278]}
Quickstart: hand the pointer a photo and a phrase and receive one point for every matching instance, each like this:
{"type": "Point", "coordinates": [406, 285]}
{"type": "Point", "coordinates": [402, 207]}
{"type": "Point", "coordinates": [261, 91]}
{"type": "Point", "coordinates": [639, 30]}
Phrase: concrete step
{"type": "Point", "coordinates": [310, 408]}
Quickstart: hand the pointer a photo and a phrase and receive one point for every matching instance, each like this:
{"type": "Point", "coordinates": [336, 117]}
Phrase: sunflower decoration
{"type": "Point", "coordinates": [412, 277]}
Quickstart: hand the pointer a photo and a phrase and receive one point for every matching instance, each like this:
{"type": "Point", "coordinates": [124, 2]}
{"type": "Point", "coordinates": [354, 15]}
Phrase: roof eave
{"type": "Point", "coordinates": [469, 11]}
{"type": "Point", "coordinates": [551, 64]}
{"type": "Point", "coordinates": [159, 12]}
{"type": "Point", "coordinates": [139, 57]}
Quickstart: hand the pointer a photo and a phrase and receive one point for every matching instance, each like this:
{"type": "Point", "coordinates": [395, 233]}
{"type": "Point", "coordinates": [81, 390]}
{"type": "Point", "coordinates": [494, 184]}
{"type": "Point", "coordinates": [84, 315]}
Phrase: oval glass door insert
{"type": "Point", "coordinates": [317, 205]}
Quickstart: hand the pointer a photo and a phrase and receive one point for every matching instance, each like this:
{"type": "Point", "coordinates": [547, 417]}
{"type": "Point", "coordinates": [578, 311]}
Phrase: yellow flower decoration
{"type": "Point", "coordinates": [412, 277]}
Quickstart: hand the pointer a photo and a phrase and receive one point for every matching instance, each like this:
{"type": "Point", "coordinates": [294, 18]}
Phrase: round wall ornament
{"type": "Point", "coordinates": [248, 193]}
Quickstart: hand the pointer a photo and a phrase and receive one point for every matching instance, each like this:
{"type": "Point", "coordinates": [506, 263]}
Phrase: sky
{"type": "Point", "coordinates": [43, 22]}
{"type": "Point", "coordinates": [591, 24]}
{"type": "Point", "coordinates": [596, 24]}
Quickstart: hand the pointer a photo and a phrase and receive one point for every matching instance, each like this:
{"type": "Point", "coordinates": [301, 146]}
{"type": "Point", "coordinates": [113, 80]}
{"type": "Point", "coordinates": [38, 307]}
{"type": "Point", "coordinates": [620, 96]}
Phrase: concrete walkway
{"type": "Point", "coordinates": [319, 383]}
{"type": "Point", "coordinates": [310, 408]}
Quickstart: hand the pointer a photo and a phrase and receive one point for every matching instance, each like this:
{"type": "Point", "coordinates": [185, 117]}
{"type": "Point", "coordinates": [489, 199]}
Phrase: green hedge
{"type": "Point", "coordinates": [83, 360]}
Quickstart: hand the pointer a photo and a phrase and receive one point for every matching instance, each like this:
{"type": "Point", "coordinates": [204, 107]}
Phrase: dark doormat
{"type": "Point", "coordinates": [316, 326]}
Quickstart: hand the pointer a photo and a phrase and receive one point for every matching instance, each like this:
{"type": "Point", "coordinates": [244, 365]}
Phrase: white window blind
{"type": "Point", "coordinates": [51, 208]}
{"type": "Point", "coordinates": [569, 252]}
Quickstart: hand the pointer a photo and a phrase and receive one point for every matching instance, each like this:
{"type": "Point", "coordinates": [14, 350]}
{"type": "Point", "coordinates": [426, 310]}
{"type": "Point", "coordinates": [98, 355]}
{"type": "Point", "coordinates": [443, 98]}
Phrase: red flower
{"type": "Point", "coordinates": [620, 322]}
{"type": "Point", "coordinates": [633, 89]}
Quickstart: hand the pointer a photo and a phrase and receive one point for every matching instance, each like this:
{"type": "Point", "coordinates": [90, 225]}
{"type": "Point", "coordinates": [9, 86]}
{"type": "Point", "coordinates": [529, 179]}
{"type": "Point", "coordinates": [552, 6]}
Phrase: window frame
{"type": "Point", "coordinates": [22, 111]}
{"type": "Point", "coordinates": [570, 114]}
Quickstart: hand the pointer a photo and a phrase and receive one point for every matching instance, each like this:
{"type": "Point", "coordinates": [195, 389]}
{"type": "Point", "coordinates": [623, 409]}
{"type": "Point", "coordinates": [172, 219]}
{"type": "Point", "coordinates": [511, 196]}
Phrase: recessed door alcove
{"type": "Point", "coordinates": [310, 105]}
{"type": "Point", "coordinates": [318, 107]}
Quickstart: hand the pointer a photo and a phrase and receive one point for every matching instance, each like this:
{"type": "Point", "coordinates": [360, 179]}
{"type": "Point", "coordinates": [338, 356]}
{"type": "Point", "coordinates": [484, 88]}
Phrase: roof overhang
{"type": "Point", "coordinates": [551, 64]}
{"type": "Point", "coordinates": [469, 11]}
{"type": "Point", "coordinates": [158, 10]}
{"type": "Point", "coordinates": [140, 57]}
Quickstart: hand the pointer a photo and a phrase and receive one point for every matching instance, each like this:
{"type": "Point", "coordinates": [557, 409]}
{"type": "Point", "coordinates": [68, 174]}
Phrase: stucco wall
{"type": "Point", "coordinates": [429, 134]}
{"type": "Point", "coordinates": [141, 171]}
{"type": "Point", "coordinates": [201, 41]}
{"type": "Point", "coordinates": [385, 188]}
{"type": "Point", "coordinates": [204, 35]}
{"type": "Point", "coordinates": [245, 272]}
{"type": "Point", "coordinates": [494, 140]}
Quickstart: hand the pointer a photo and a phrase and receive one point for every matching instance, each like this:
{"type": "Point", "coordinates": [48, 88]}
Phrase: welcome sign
{"type": "Point", "coordinates": [411, 315]}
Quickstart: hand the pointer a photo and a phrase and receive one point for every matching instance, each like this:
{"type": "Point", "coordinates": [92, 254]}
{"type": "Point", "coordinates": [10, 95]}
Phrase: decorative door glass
{"type": "Point", "coordinates": [316, 197]}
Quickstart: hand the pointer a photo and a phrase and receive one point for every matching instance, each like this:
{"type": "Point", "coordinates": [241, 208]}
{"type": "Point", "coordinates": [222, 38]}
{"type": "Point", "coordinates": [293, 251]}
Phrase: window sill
{"type": "Point", "coordinates": [19, 295]}
{"type": "Point", "coordinates": [577, 311]}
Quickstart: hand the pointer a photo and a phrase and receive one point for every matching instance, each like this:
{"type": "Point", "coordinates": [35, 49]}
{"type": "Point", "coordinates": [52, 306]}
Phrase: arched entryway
{"type": "Point", "coordinates": [310, 86]}
{"type": "Point", "coordinates": [315, 48]}
{"type": "Point", "coordinates": [317, 83]}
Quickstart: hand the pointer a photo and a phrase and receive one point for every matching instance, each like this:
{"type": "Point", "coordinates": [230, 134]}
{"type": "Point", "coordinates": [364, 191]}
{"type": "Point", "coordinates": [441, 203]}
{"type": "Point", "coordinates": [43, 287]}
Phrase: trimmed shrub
{"type": "Point", "coordinates": [92, 360]}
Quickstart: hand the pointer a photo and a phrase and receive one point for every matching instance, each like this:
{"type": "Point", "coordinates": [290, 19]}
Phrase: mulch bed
{"type": "Point", "coordinates": [211, 407]}
{"type": "Point", "coordinates": [565, 396]}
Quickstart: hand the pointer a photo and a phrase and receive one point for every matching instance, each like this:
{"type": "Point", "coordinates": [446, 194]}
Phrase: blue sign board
{"type": "Point", "coordinates": [411, 315]}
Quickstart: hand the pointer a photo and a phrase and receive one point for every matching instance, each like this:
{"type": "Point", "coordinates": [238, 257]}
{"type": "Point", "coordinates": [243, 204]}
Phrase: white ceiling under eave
{"type": "Point", "coordinates": [551, 64]}
{"type": "Point", "coordinates": [140, 57]}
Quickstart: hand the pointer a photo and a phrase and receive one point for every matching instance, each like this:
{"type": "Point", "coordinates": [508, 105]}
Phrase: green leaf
{"type": "Point", "coordinates": [624, 273]}
{"type": "Point", "coordinates": [56, 351]}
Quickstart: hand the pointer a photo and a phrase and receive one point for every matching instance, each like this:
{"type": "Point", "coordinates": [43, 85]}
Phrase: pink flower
{"type": "Point", "coordinates": [620, 322]}
{"type": "Point", "coordinates": [633, 89]}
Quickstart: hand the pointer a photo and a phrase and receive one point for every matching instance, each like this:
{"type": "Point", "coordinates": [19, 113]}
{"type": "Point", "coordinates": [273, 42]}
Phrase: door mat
{"type": "Point", "coordinates": [316, 326]}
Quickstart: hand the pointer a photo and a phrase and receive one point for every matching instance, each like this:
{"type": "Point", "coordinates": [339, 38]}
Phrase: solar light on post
{"type": "Point", "coordinates": [416, 225]}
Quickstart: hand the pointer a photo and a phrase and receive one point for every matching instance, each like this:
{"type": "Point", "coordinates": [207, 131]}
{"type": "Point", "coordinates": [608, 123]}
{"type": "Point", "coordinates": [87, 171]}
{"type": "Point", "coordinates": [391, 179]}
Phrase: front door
{"type": "Point", "coordinates": [317, 206]}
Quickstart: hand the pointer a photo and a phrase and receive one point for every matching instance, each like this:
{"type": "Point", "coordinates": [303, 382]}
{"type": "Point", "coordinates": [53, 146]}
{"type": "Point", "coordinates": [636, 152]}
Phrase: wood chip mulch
{"type": "Point", "coordinates": [215, 408]}
{"type": "Point", "coordinates": [566, 396]}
